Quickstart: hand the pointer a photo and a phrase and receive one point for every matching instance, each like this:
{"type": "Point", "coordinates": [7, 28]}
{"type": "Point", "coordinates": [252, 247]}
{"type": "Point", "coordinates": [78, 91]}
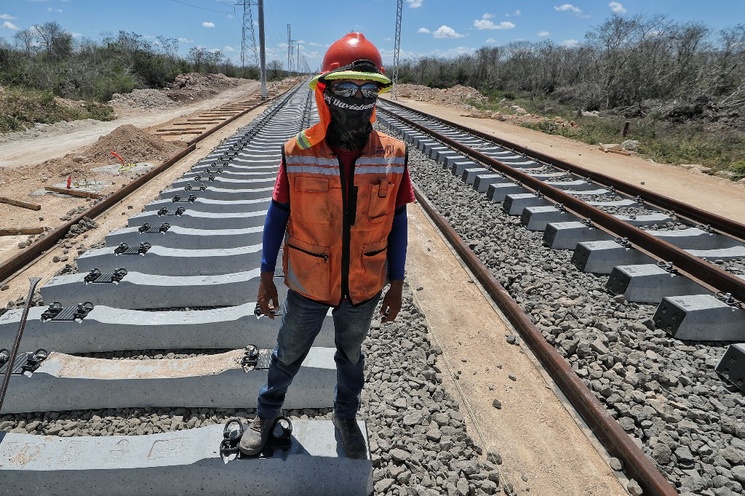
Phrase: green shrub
{"type": "Point", "coordinates": [737, 169]}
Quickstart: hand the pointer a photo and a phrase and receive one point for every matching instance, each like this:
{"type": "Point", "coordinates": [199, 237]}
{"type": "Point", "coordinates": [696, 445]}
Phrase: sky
{"type": "Point", "coordinates": [429, 28]}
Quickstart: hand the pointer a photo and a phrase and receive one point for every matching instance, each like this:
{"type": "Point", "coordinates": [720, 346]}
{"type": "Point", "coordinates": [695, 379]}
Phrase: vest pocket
{"type": "Point", "coordinates": [374, 273]}
{"type": "Point", "coordinates": [382, 196]}
{"type": "Point", "coordinates": [307, 268]}
{"type": "Point", "coordinates": [311, 203]}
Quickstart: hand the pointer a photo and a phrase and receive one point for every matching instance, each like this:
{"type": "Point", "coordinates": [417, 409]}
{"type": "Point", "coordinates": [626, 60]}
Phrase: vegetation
{"type": "Point", "coordinates": [46, 62]}
{"type": "Point", "coordinates": [681, 88]}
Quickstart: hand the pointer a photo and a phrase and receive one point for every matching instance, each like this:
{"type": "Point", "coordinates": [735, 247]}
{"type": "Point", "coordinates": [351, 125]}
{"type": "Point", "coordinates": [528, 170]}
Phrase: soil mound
{"type": "Point", "coordinates": [132, 144]}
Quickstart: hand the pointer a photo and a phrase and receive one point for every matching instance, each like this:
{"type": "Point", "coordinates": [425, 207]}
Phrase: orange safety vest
{"type": "Point", "coordinates": [336, 244]}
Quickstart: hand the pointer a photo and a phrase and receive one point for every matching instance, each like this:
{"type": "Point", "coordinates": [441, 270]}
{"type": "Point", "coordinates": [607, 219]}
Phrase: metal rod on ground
{"type": "Point", "coordinates": [6, 379]}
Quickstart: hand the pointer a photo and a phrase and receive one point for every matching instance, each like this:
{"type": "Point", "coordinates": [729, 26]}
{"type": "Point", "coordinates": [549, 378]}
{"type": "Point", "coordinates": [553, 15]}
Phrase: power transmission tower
{"type": "Point", "coordinates": [248, 25]}
{"type": "Point", "coordinates": [397, 46]}
{"type": "Point", "coordinates": [289, 51]}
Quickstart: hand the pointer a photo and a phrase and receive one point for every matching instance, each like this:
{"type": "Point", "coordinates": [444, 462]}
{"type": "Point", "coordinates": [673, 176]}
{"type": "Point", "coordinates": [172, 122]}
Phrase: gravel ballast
{"type": "Point", "coordinates": [665, 393]}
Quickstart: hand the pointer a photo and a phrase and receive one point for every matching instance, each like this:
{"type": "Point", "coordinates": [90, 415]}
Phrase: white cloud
{"type": "Point", "coordinates": [185, 40]}
{"type": "Point", "coordinates": [228, 48]}
{"type": "Point", "coordinates": [423, 30]}
{"type": "Point", "coordinates": [415, 4]}
{"type": "Point", "coordinates": [208, 24]}
{"type": "Point", "coordinates": [10, 25]}
{"type": "Point", "coordinates": [514, 14]}
{"type": "Point", "coordinates": [50, 9]}
{"type": "Point", "coordinates": [617, 8]}
{"type": "Point", "coordinates": [543, 34]}
{"type": "Point", "coordinates": [570, 43]}
{"type": "Point", "coordinates": [485, 23]}
{"type": "Point", "coordinates": [446, 32]}
{"type": "Point", "coordinates": [7, 17]}
{"type": "Point", "coordinates": [568, 7]}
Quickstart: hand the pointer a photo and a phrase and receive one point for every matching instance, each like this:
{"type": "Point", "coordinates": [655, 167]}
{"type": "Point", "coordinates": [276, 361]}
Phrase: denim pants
{"type": "Point", "coordinates": [302, 319]}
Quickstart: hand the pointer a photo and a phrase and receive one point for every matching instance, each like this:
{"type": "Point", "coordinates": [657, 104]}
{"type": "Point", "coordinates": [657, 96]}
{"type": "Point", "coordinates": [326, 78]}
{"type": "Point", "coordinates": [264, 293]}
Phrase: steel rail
{"type": "Point", "coordinates": [695, 267]}
{"type": "Point", "coordinates": [29, 255]}
{"type": "Point", "coordinates": [605, 427]}
{"type": "Point", "coordinates": [695, 214]}
{"type": "Point", "coordinates": [36, 249]}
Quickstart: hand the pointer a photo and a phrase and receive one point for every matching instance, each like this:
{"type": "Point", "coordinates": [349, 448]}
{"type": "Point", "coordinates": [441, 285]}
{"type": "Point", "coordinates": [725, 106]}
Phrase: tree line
{"type": "Point", "coordinates": [632, 63]}
{"type": "Point", "coordinates": [48, 58]}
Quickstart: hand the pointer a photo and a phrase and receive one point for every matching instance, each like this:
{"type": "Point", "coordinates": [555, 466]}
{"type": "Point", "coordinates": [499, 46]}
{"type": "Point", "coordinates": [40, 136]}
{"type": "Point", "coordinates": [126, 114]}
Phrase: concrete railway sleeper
{"type": "Point", "coordinates": [156, 463]}
{"type": "Point", "coordinates": [671, 254]}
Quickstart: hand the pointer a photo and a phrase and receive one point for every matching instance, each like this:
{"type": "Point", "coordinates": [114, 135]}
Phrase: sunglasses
{"type": "Point", "coordinates": [349, 89]}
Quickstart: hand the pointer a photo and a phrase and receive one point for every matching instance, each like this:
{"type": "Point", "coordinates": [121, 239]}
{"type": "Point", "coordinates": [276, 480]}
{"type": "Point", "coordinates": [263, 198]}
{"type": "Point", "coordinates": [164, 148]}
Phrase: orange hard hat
{"type": "Point", "coordinates": [353, 47]}
{"type": "Point", "coordinates": [353, 57]}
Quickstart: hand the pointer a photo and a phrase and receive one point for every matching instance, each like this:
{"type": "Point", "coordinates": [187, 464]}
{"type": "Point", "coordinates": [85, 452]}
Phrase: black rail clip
{"type": "Point", "coordinates": [147, 228]}
{"type": "Point", "coordinates": [177, 198]}
{"type": "Point", "coordinates": [24, 362]}
{"type": "Point", "coordinates": [188, 187]}
{"type": "Point", "coordinates": [57, 313]}
{"type": "Point", "coordinates": [95, 276]}
{"type": "Point", "coordinates": [178, 212]}
{"type": "Point", "coordinates": [125, 249]}
{"type": "Point", "coordinates": [250, 358]}
{"type": "Point", "coordinates": [210, 176]}
{"type": "Point", "coordinates": [729, 299]}
{"type": "Point", "coordinates": [667, 267]}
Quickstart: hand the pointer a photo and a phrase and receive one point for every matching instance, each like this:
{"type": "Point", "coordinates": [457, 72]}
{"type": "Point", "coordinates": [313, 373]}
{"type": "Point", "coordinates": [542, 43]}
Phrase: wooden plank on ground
{"type": "Point", "coordinates": [21, 230]}
{"type": "Point", "coordinates": [73, 192]}
{"type": "Point", "coordinates": [18, 203]}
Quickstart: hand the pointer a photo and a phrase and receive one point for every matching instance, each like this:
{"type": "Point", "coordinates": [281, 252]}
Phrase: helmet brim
{"type": "Point", "coordinates": [385, 83]}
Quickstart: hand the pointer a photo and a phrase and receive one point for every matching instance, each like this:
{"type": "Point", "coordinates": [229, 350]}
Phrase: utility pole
{"type": "Point", "coordinates": [262, 50]}
{"type": "Point", "coordinates": [397, 46]}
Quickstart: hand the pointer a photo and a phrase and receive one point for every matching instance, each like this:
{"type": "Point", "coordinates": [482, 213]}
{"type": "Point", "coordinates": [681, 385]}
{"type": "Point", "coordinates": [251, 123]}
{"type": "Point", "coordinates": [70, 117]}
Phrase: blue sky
{"type": "Point", "coordinates": [440, 28]}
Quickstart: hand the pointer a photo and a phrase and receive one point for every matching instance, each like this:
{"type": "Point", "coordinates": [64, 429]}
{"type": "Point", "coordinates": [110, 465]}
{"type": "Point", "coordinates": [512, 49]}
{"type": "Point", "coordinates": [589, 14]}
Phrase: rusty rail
{"type": "Point", "coordinates": [694, 267]}
{"type": "Point", "coordinates": [34, 251]}
{"type": "Point", "coordinates": [605, 427]}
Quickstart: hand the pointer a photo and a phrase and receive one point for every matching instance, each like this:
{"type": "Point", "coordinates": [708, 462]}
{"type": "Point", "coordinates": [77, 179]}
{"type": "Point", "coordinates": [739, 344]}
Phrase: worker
{"type": "Point", "coordinates": [339, 207]}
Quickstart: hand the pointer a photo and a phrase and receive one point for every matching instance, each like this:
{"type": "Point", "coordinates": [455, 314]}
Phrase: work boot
{"type": "Point", "coordinates": [351, 437]}
{"type": "Point", "coordinates": [255, 437]}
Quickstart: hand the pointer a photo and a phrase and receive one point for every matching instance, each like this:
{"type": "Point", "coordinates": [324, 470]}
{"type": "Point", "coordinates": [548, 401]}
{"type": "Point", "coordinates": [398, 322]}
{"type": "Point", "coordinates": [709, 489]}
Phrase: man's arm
{"type": "Point", "coordinates": [397, 243]}
{"type": "Point", "coordinates": [274, 231]}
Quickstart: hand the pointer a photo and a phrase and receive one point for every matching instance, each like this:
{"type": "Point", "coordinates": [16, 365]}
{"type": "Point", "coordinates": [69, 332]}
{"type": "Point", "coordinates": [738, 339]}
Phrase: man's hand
{"type": "Point", "coordinates": [267, 299]}
{"type": "Point", "coordinates": [392, 302]}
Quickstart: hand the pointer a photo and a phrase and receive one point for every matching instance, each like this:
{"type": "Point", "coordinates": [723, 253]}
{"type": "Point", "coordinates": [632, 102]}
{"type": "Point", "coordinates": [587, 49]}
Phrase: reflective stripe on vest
{"type": "Point", "coordinates": [320, 234]}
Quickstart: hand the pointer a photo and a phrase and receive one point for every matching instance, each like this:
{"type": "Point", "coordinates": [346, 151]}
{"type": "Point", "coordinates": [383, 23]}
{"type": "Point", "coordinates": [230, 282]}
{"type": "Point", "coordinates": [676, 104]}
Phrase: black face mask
{"type": "Point", "coordinates": [350, 121]}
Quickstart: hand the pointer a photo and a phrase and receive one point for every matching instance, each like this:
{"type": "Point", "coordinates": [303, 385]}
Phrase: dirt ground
{"type": "Point", "coordinates": [545, 450]}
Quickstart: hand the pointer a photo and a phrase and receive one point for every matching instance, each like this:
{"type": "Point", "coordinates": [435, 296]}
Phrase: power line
{"type": "Point", "coordinates": [202, 8]}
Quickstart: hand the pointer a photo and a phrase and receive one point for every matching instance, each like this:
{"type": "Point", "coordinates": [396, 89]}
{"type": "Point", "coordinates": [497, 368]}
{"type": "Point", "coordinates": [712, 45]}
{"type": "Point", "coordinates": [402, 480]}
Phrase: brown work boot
{"type": "Point", "coordinates": [255, 437]}
{"type": "Point", "coordinates": [351, 438]}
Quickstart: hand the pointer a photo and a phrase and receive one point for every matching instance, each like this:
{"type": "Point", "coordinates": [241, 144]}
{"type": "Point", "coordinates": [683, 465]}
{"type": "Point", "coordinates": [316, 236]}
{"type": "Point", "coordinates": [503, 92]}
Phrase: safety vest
{"type": "Point", "coordinates": [336, 243]}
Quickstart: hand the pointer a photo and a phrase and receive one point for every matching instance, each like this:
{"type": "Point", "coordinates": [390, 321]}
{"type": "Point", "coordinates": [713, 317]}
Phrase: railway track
{"type": "Point", "coordinates": [470, 175]}
{"type": "Point", "coordinates": [182, 289]}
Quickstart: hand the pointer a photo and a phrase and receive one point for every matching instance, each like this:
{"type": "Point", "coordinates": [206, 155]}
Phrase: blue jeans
{"type": "Point", "coordinates": [302, 319]}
